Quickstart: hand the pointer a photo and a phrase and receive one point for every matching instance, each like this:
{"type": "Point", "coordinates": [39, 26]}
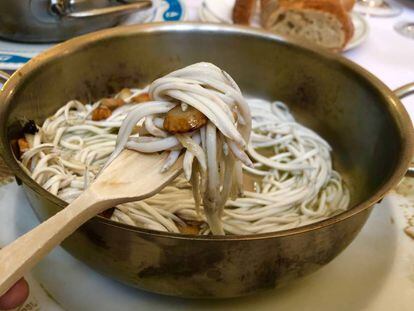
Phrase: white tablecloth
{"type": "Point", "coordinates": [381, 260]}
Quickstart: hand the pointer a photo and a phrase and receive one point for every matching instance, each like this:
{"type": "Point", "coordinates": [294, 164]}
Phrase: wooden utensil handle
{"type": "Point", "coordinates": [24, 253]}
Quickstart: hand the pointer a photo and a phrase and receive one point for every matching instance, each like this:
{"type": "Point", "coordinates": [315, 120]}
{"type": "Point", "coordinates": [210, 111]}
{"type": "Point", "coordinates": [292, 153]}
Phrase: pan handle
{"type": "Point", "coordinates": [4, 77]}
{"type": "Point", "coordinates": [63, 9]}
{"type": "Point", "coordinates": [403, 92]}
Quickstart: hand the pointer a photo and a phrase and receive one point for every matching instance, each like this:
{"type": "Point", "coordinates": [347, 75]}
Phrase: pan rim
{"type": "Point", "coordinates": [396, 109]}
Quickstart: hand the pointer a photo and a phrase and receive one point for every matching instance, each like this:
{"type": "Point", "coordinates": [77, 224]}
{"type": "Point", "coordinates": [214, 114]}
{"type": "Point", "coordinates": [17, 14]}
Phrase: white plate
{"type": "Point", "coordinates": [361, 31]}
{"type": "Point", "coordinates": [214, 11]}
{"type": "Point", "coordinates": [221, 9]}
{"type": "Point", "coordinates": [375, 273]}
{"type": "Point", "coordinates": [14, 55]}
{"type": "Point", "coordinates": [386, 9]}
{"type": "Point", "coordinates": [206, 15]}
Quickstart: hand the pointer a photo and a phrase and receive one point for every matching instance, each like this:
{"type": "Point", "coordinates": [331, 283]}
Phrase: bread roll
{"type": "Point", "coordinates": [324, 22]}
{"type": "Point", "coordinates": [348, 4]}
{"type": "Point", "coordinates": [243, 11]}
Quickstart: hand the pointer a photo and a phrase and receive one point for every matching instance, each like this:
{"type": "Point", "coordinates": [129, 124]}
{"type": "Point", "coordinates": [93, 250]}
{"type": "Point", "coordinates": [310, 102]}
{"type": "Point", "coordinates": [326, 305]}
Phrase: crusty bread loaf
{"type": "Point", "coordinates": [324, 22]}
{"type": "Point", "coordinates": [243, 11]}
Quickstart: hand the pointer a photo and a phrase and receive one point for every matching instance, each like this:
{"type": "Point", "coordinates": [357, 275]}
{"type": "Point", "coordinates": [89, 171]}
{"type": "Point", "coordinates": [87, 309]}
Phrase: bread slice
{"type": "Point", "coordinates": [322, 22]}
{"type": "Point", "coordinates": [243, 11]}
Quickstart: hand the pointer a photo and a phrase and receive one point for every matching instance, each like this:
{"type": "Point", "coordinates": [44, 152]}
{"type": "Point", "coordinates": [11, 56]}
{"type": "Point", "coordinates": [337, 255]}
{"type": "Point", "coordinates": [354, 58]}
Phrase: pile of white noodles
{"type": "Point", "coordinates": [292, 166]}
{"type": "Point", "coordinates": [218, 147]}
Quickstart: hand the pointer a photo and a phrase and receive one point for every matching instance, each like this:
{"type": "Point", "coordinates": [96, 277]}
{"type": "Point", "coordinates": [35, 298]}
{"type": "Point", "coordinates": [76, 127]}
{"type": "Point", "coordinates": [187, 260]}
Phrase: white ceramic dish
{"type": "Point", "coordinates": [213, 11]}
{"type": "Point", "coordinates": [386, 9]}
{"type": "Point", "coordinates": [361, 31]}
{"type": "Point", "coordinates": [376, 273]}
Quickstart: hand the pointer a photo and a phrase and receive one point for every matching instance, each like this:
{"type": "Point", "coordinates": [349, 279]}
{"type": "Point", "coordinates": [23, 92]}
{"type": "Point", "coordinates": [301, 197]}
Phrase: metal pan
{"type": "Point", "coordinates": [364, 121]}
{"type": "Point", "coordinates": [58, 20]}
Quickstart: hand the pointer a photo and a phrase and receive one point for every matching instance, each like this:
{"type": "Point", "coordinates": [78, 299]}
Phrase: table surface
{"type": "Point", "coordinates": [375, 273]}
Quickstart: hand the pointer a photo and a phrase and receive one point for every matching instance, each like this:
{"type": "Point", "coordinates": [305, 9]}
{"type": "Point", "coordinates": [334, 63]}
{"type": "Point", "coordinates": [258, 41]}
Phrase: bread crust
{"type": "Point", "coordinates": [243, 11]}
{"type": "Point", "coordinates": [267, 7]}
{"type": "Point", "coordinates": [273, 8]}
{"type": "Point", "coordinates": [348, 4]}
